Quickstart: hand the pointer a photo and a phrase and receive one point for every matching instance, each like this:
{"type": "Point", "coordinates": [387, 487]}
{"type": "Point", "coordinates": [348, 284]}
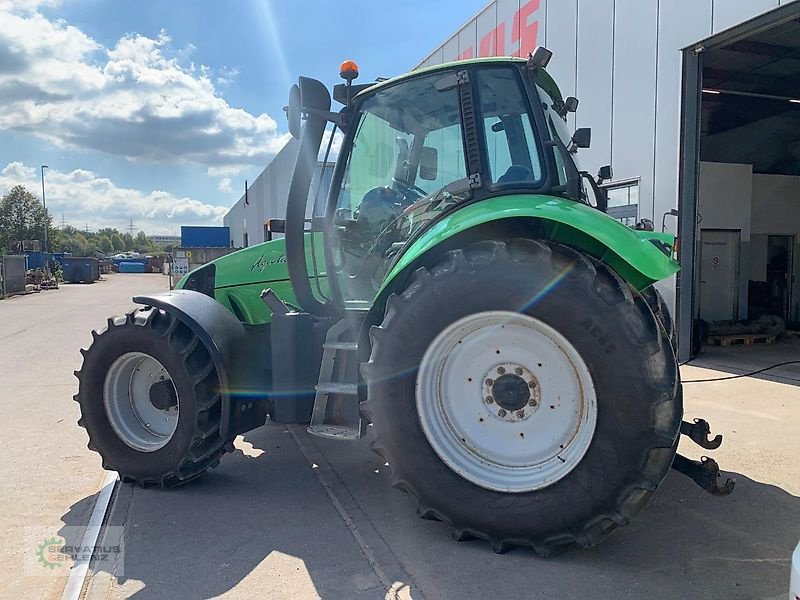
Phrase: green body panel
{"type": "Point", "coordinates": [240, 277]}
{"type": "Point", "coordinates": [628, 252]}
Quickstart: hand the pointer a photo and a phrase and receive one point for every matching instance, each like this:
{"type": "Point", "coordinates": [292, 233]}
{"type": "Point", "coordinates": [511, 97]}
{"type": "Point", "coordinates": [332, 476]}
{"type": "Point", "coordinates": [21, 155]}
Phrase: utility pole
{"type": "Point", "coordinates": [44, 205]}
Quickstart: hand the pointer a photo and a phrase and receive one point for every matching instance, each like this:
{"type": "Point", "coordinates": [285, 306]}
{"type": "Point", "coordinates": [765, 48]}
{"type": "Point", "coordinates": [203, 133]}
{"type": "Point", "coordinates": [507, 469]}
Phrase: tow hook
{"type": "Point", "coordinates": [705, 473]}
{"type": "Point", "coordinates": [699, 433]}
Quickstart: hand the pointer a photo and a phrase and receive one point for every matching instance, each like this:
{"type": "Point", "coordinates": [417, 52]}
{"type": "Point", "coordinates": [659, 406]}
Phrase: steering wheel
{"type": "Point", "coordinates": [406, 188]}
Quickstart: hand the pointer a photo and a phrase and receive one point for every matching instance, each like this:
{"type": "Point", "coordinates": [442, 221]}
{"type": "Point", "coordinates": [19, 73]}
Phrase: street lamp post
{"type": "Point", "coordinates": [44, 205]}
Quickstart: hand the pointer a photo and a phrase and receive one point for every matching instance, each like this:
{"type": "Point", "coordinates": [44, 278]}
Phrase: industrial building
{"type": "Point", "coordinates": [695, 104]}
{"type": "Point", "coordinates": [266, 197]}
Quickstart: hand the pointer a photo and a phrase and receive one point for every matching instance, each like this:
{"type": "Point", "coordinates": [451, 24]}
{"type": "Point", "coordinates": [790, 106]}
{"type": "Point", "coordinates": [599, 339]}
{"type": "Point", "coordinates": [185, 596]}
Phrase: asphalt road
{"type": "Point", "coordinates": [291, 516]}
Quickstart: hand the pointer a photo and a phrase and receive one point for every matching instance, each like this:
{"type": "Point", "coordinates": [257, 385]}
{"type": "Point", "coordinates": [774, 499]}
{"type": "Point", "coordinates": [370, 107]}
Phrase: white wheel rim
{"type": "Point", "coordinates": [129, 405]}
{"type": "Point", "coordinates": [497, 444]}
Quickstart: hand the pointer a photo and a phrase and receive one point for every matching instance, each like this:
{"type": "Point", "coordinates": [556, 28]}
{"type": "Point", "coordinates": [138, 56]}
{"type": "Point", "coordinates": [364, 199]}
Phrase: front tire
{"type": "Point", "coordinates": [150, 402]}
{"type": "Point", "coordinates": [547, 482]}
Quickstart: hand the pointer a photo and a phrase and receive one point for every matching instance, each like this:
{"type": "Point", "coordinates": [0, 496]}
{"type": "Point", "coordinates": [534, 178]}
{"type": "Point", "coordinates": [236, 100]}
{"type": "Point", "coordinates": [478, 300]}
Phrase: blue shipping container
{"type": "Point", "coordinates": [205, 237]}
{"type": "Point", "coordinates": [38, 260]}
{"type": "Point", "coordinates": [81, 269]}
{"type": "Point", "coordinates": [131, 267]}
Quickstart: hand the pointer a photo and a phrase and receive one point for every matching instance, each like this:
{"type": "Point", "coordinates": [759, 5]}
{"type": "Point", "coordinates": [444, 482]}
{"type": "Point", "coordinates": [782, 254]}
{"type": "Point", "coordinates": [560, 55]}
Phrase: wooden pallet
{"type": "Point", "coordinates": [745, 339]}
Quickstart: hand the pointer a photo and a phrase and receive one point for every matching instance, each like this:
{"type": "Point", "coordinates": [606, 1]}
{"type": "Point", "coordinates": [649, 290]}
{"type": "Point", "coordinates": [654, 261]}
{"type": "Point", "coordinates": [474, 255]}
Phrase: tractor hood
{"type": "Point", "coordinates": [237, 280]}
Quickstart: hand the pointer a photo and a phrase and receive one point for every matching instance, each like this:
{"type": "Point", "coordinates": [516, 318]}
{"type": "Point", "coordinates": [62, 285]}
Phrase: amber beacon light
{"type": "Point", "coordinates": [348, 71]}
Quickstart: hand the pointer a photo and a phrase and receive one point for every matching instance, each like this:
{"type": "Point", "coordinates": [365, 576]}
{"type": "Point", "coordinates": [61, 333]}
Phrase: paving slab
{"type": "Point", "coordinates": [46, 466]}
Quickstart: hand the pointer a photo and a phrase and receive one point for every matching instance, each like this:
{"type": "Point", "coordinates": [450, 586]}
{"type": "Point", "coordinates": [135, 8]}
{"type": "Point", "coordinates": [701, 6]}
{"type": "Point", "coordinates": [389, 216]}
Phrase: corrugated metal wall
{"type": "Point", "coordinates": [268, 194]}
{"type": "Point", "coordinates": [622, 59]}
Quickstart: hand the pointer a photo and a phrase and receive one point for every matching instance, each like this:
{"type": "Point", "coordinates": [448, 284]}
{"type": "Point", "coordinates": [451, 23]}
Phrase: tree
{"type": "Point", "coordinates": [141, 242]}
{"type": "Point", "coordinates": [104, 244]}
{"type": "Point", "coordinates": [74, 241]}
{"type": "Point", "coordinates": [118, 242]}
{"type": "Point", "coordinates": [22, 217]}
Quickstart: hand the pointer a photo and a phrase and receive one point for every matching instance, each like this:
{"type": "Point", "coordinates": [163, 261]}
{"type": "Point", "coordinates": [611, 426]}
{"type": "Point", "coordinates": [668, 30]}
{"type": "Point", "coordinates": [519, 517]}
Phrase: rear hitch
{"type": "Point", "coordinates": [699, 433]}
{"type": "Point", "coordinates": [705, 473]}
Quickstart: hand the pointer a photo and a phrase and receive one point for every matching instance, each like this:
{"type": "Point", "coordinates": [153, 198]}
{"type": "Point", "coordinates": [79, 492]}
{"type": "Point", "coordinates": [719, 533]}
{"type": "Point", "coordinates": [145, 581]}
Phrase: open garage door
{"type": "Point", "coordinates": [739, 189]}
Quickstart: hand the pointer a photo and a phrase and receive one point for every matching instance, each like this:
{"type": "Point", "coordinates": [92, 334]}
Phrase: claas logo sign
{"type": "Point", "coordinates": [516, 36]}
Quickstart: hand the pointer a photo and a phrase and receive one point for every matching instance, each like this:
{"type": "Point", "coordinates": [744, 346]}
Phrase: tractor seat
{"type": "Point", "coordinates": [516, 174]}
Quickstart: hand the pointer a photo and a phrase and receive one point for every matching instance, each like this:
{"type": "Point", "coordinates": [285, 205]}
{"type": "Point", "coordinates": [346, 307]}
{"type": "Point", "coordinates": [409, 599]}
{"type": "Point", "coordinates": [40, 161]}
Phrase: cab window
{"type": "Point", "coordinates": [512, 149]}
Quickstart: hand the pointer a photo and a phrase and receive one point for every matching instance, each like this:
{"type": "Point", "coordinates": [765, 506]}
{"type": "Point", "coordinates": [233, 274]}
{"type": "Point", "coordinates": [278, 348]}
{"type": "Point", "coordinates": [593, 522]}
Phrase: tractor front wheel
{"type": "Point", "coordinates": [524, 394]}
{"type": "Point", "coordinates": [149, 398]}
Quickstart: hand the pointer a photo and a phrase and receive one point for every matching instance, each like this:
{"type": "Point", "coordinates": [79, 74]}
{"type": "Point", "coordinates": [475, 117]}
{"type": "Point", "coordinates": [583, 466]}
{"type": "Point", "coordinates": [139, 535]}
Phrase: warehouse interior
{"type": "Point", "coordinates": [746, 195]}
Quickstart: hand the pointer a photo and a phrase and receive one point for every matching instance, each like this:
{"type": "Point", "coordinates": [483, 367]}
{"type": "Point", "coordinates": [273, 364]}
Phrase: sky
{"type": "Point", "coordinates": [158, 111]}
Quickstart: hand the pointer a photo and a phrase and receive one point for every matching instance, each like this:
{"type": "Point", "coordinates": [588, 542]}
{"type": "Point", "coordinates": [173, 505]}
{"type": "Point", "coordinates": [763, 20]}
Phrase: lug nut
{"type": "Point", "coordinates": [490, 382]}
{"type": "Point", "coordinates": [532, 402]}
{"type": "Point", "coordinates": [518, 370]}
{"type": "Point", "coordinates": [489, 399]}
{"type": "Point", "coordinates": [520, 414]}
{"type": "Point", "coordinates": [531, 384]}
{"type": "Point", "coordinates": [501, 370]}
{"type": "Point", "coordinates": [501, 412]}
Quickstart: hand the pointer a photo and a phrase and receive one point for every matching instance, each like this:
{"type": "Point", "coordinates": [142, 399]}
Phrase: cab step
{"type": "Point", "coordinates": [336, 413]}
{"type": "Point", "coordinates": [337, 387]}
{"type": "Point", "coordinates": [334, 432]}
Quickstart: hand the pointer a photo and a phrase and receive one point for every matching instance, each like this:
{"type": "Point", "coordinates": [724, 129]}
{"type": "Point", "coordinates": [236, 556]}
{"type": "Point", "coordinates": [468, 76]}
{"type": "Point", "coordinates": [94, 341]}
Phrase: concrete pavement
{"type": "Point", "coordinates": [45, 466]}
{"type": "Point", "coordinates": [288, 515]}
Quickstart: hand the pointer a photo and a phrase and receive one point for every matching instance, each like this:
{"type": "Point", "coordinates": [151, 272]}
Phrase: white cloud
{"type": "Point", "coordinates": [86, 198]}
{"type": "Point", "coordinates": [224, 171]}
{"type": "Point", "coordinates": [139, 99]}
{"type": "Point", "coordinates": [26, 5]}
{"type": "Point", "coordinates": [224, 185]}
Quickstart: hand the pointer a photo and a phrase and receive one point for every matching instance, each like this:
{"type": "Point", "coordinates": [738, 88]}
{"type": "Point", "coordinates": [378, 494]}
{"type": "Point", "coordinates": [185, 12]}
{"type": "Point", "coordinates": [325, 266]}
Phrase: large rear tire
{"type": "Point", "coordinates": [547, 459]}
{"type": "Point", "coordinates": [150, 402]}
{"type": "Point", "coordinates": [660, 309]}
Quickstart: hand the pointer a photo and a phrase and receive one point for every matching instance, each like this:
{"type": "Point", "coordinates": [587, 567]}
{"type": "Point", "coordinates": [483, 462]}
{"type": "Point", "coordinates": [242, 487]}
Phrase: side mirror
{"type": "Point", "coordinates": [540, 57]}
{"type": "Point", "coordinates": [582, 138]}
{"type": "Point", "coordinates": [600, 194]}
{"type": "Point", "coordinates": [571, 104]}
{"type": "Point", "coordinates": [293, 111]}
{"type": "Point", "coordinates": [276, 225]}
{"type": "Point", "coordinates": [605, 173]}
{"type": "Point", "coordinates": [429, 163]}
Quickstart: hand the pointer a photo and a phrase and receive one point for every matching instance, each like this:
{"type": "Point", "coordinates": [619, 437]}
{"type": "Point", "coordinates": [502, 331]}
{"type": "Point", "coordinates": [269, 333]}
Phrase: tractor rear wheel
{"type": "Point", "coordinates": [150, 402]}
{"type": "Point", "coordinates": [660, 309]}
{"type": "Point", "coordinates": [523, 393]}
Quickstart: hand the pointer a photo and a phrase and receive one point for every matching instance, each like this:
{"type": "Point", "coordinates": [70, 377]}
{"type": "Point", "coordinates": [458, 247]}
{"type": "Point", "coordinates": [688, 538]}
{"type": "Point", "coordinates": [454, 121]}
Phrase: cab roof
{"type": "Point", "coordinates": [546, 80]}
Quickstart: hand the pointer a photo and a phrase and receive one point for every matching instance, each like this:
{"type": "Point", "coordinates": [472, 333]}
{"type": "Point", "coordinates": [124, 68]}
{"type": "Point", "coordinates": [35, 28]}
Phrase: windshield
{"type": "Point", "coordinates": [407, 148]}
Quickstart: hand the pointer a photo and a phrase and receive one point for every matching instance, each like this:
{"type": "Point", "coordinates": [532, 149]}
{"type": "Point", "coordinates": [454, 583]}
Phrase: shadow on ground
{"type": "Point", "coordinates": [739, 359]}
{"type": "Point", "coordinates": [269, 514]}
{"type": "Point", "coordinates": [265, 513]}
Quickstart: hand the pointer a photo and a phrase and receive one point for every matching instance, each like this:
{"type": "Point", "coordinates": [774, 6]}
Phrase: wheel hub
{"type": "Point", "coordinates": [506, 401]}
{"type": "Point", "coordinates": [141, 401]}
{"type": "Point", "coordinates": [511, 392]}
{"type": "Point", "coordinates": [163, 397]}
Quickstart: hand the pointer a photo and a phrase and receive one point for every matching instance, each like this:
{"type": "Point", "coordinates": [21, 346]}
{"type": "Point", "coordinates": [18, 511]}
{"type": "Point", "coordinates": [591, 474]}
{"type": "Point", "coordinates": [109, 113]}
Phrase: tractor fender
{"type": "Point", "coordinates": [233, 347]}
{"type": "Point", "coordinates": [640, 257]}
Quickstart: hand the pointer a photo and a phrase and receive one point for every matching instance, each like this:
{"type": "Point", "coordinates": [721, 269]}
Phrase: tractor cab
{"type": "Point", "coordinates": [416, 149]}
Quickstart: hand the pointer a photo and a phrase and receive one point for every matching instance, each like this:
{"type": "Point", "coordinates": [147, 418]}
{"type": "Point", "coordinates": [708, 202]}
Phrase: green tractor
{"type": "Point", "coordinates": [460, 297]}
